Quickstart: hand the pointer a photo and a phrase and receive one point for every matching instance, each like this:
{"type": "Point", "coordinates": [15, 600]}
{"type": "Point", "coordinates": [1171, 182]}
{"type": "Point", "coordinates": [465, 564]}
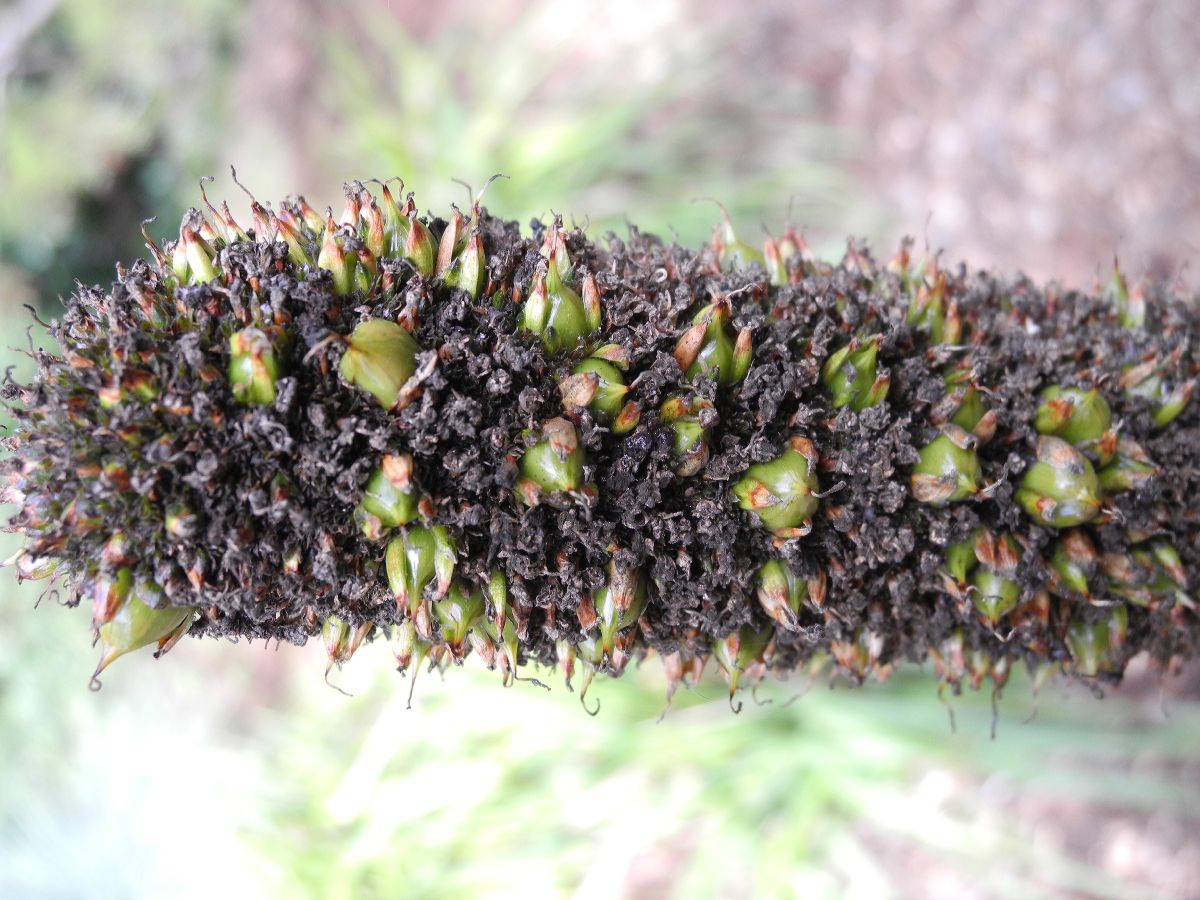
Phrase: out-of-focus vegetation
{"type": "Point", "coordinates": [234, 769]}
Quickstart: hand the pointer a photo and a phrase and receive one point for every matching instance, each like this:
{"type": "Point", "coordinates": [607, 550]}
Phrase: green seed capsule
{"type": "Point", "coordinates": [597, 384]}
{"type": "Point", "coordinates": [419, 247]}
{"type": "Point", "coordinates": [458, 612]}
{"type": "Point", "coordinates": [691, 422]}
{"type": "Point", "coordinates": [380, 358]}
{"type": "Point", "coordinates": [929, 311]}
{"type": "Point", "coordinates": [554, 464]}
{"type": "Point", "coordinates": [994, 595]}
{"type": "Point", "coordinates": [254, 367]}
{"type": "Point", "coordinates": [783, 492]}
{"type": "Point", "coordinates": [391, 497]}
{"type": "Point", "coordinates": [948, 470]}
{"type": "Point", "coordinates": [497, 594]}
{"type": "Point", "coordinates": [850, 375]}
{"type": "Point", "coordinates": [960, 560]}
{"type": "Point", "coordinates": [410, 650]}
{"type": "Point", "coordinates": [963, 406]}
{"type": "Point", "coordinates": [134, 625]}
{"type": "Point", "coordinates": [1081, 418]}
{"type": "Point", "coordinates": [415, 559]}
{"type": "Point", "coordinates": [708, 348]}
{"type": "Point", "coordinates": [781, 592]}
{"type": "Point", "coordinates": [199, 255]}
{"type": "Point", "coordinates": [341, 641]}
{"type": "Point", "coordinates": [731, 252]}
{"type": "Point", "coordinates": [1130, 306]}
{"type": "Point", "coordinates": [1060, 489]}
{"type": "Point", "coordinates": [334, 258]}
{"type": "Point", "coordinates": [740, 655]}
{"type": "Point", "coordinates": [1073, 563]}
{"type": "Point", "coordinates": [554, 309]}
{"type": "Point", "coordinates": [1130, 468]}
{"type": "Point", "coordinates": [1089, 646]}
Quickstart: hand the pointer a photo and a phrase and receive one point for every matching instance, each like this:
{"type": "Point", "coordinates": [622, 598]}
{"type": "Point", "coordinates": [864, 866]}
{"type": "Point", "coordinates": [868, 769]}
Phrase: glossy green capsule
{"type": "Point", "coordinates": [740, 655]}
{"type": "Point", "coordinates": [708, 348]}
{"type": "Point", "coordinates": [1080, 417]}
{"type": "Point", "coordinates": [731, 252]}
{"type": "Point", "coordinates": [390, 498]}
{"type": "Point", "coordinates": [964, 406]}
{"type": "Point", "coordinates": [553, 465]}
{"type": "Point", "coordinates": [254, 367]}
{"type": "Point", "coordinates": [1060, 489]}
{"type": "Point", "coordinates": [948, 470]}
{"type": "Point", "coordinates": [1089, 645]}
{"type": "Point", "coordinates": [334, 258]}
{"type": "Point", "coordinates": [783, 492]}
{"type": "Point", "coordinates": [850, 375]}
{"type": "Point", "coordinates": [930, 311]}
{"type": "Point", "coordinates": [691, 422]}
{"type": "Point", "coordinates": [1130, 306]}
{"type": "Point", "coordinates": [781, 592]}
{"type": "Point", "coordinates": [380, 359]}
{"type": "Point", "coordinates": [555, 309]}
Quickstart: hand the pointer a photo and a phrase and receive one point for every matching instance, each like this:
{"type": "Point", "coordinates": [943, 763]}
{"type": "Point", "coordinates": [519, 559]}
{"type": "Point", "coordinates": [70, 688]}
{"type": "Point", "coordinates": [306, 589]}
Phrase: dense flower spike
{"type": "Point", "coordinates": [543, 450]}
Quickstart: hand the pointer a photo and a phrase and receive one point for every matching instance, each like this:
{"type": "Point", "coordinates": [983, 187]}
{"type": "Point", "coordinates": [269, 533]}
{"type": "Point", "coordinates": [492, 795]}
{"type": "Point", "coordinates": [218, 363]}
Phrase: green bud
{"type": "Point", "coordinates": [773, 259]}
{"type": "Point", "coordinates": [1167, 398]}
{"type": "Point", "coordinates": [1129, 306]}
{"type": "Point", "coordinates": [1079, 417]}
{"type": "Point", "coordinates": [994, 595]}
{"type": "Point", "coordinates": [468, 270]}
{"type": "Point", "coordinates": [199, 255]}
{"type": "Point", "coordinates": [1129, 469]}
{"type": "Point", "coordinates": [783, 492]}
{"type": "Point", "coordinates": [410, 650]}
{"type": "Point", "coordinates": [963, 406]}
{"type": "Point", "coordinates": [497, 593]}
{"type": "Point", "coordinates": [741, 654]}
{"type": "Point", "coordinates": [415, 559]}
{"type": "Point", "coordinates": [554, 309]}
{"type": "Point", "coordinates": [458, 612]}
{"type": "Point", "coordinates": [419, 247]}
{"type": "Point", "coordinates": [254, 367]}
{"type": "Point", "coordinates": [929, 311]}
{"type": "Point", "coordinates": [732, 253]}
{"type": "Point", "coordinates": [960, 560]}
{"type": "Point", "coordinates": [380, 358]}
{"type": "Point", "coordinates": [708, 347]}
{"type": "Point", "coordinates": [1073, 562]}
{"type": "Point", "coordinates": [619, 604]}
{"type": "Point", "coordinates": [687, 419]}
{"type": "Point", "coordinates": [109, 594]}
{"type": "Point", "coordinates": [850, 375]}
{"type": "Point", "coordinates": [948, 470]}
{"type": "Point", "coordinates": [181, 522]}
{"type": "Point", "coordinates": [1060, 489]}
{"type": "Point", "coordinates": [391, 497]}
{"type": "Point", "coordinates": [134, 625]}
{"type": "Point", "coordinates": [554, 464]}
{"type": "Point", "coordinates": [781, 592]}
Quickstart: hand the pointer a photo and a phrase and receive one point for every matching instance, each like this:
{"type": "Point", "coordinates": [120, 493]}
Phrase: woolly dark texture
{"type": "Point", "coordinates": [267, 481]}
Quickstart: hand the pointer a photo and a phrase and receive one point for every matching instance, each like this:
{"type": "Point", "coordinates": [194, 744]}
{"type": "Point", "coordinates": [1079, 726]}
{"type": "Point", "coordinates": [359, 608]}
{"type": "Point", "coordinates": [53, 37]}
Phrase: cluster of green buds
{"type": "Point", "coordinates": [783, 493]}
{"type": "Point", "coordinates": [928, 308]}
{"type": "Point", "coordinates": [1060, 489]}
{"type": "Point", "coordinates": [709, 348]}
{"type": "Point", "coordinates": [562, 315]}
{"type": "Point", "coordinates": [461, 610]}
{"type": "Point", "coordinates": [691, 422]}
{"type": "Point", "coordinates": [415, 559]}
{"type": "Point", "coordinates": [461, 260]}
{"type": "Point", "coordinates": [948, 470]}
{"type": "Point", "coordinates": [851, 376]}
{"type": "Point", "coordinates": [1150, 380]}
{"type": "Point", "coordinates": [742, 656]}
{"type": "Point", "coordinates": [1081, 418]}
{"type": "Point", "coordinates": [1147, 574]}
{"type": "Point", "coordinates": [782, 593]}
{"type": "Point", "coordinates": [391, 497]}
{"type": "Point", "coordinates": [597, 384]}
{"type": "Point", "coordinates": [381, 359]}
{"type": "Point", "coordinates": [616, 608]}
{"type": "Point", "coordinates": [130, 612]}
{"type": "Point", "coordinates": [1095, 645]}
{"type": "Point", "coordinates": [552, 464]}
{"type": "Point", "coordinates": [984, 567]}
{"type": "Point", "coordinates": [255, 365]}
